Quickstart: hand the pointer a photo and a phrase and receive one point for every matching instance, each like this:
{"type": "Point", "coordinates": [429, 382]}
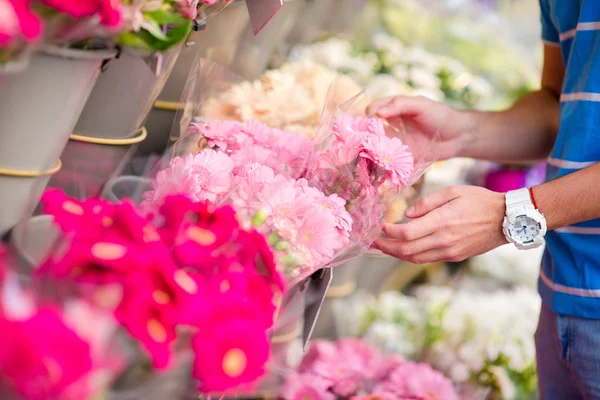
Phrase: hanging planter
{"type": "Point", "coordinates": [90, 162]}
{"type": "Point", "coordinates": [39, 109]}
{"type": "Point", "coordinates": [124, 94]}
{"type": "Point", "coordinates": [21, 190]}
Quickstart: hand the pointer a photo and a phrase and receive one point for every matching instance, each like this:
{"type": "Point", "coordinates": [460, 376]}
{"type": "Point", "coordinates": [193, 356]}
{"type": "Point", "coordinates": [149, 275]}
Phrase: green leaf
{"type": "Point", "coordinates": [165, 17]}
{"type": "Point", "coordinates": [174, 36]}
{"type": "Point", "coordinates": [130, 39]}
{"type": "Point", "coordinates": [154, 29]}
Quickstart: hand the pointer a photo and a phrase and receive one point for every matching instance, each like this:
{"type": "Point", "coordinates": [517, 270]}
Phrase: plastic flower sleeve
{"type": "Point", "coordinates": [206, 80]}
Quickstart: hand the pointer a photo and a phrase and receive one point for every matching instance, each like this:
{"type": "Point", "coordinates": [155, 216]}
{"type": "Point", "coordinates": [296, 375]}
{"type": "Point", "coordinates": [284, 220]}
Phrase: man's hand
{"type": "Point", "coordinates": [451, 225]}
{"type": "Point", "coordinates": [421, 116]}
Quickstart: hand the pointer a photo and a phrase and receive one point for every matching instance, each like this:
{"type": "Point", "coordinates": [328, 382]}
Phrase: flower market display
{"type": "Point", "coordinates": [186, 280]}
{"type": "Point", "coordinates": [474, 336]}
{"type": "Point", "coordinates": [388, 67]}
{"type": "Point", "coordinates": [291, 98]}
{"type": "Point", "coordinates": [351, 369]}
{"type": "Point", "coordinates": [320, 201]}
{"type": "Point", "coordinates": [202, 270]}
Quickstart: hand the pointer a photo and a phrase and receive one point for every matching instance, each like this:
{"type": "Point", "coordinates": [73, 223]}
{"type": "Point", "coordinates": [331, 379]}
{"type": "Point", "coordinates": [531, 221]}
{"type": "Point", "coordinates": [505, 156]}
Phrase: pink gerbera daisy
{"type": "Point", "coordinates": [218, 134]}
{"type": "Point", "coordinates": [412, 379]}
{"type": "Point", "coordinates": [391, 155]}
{"type": "Point", "coordinates": [317, 238]}
{"type": "Point", "coordinates": [211, 171]}
{"type": "Point", "coordinates": [306, 386]}
{"type": "Point", "coordinates": [177, 179]}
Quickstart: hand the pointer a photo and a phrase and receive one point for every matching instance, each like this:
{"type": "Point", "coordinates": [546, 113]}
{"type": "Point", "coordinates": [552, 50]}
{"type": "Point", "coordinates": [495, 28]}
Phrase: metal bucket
{"type": "Point", "coordinates": [39, 109]}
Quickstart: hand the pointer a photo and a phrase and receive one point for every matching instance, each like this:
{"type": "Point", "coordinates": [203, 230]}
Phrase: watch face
{"type": "Point", "coordinates": [525, 229]}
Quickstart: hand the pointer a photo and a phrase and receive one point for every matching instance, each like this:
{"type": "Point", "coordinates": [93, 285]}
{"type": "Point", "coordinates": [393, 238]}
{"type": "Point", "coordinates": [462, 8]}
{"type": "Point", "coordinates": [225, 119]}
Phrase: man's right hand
{"type": "Point", "coordinates": [430, 118]}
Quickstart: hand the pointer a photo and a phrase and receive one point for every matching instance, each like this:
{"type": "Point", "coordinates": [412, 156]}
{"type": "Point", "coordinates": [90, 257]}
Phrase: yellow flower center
{"type": "Point", "coordinates": [73, 208]}
{"type": "Point", "coordinates": [108, 251]}
{"type": "Point", "coordinates": [156, 331]}
{"type": "Point", "coordinates": [185, 282]}
{"type": "Point", "coordinates": [161, 297]}
{"type": "Point", "coordinates": [225, 286]}
{"type": "Point", "coordinates": [234, 363]}
{"type": "Point", "coordinates": [201, 236]}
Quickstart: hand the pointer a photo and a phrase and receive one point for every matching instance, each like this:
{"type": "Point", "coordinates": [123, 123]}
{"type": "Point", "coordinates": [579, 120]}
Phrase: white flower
{"type": "Point", "coordinates": [432, 94]}
{"type": "Point", "coordinates": [401, 72]}
{"type": "Point", "coordinates": [386, 85]}
{"type": "Point", "coordinates": [507, 387]}
{"type": "Point", "coordinates": [459, 372]}
{"type": "Point", "coordinates": [423, 78]}
{"type": "Point", "coordinates": [509, 265]}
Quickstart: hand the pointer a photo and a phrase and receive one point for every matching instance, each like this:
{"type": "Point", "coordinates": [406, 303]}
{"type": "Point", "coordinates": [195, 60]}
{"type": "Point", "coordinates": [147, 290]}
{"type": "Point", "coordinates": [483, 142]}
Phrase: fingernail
{"type": "Point", "coordinates": [410, 211]}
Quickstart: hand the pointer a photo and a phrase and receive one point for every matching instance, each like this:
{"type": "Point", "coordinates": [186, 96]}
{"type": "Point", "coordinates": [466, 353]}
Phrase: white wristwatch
{"type": "Point", "coordinates": [524, 226]}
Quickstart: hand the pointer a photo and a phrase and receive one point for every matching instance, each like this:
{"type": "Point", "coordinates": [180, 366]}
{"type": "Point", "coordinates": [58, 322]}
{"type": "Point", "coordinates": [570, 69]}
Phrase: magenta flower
{"type": "Point", "coordinates": [411, 379]}
{"type": "Point", "coordinates": [155, 302]}
{"type": "Point", "coordinates": [199, 239]}
{"type": "Point", "coordinates": [18, 22]}
{"type": "Point", "coordinates": [109, 11]}
{"type": "Point", "coordinates": [33, 360]}
{"type": "Point", "coordinates": [392, 156]}
{"type": "Point", "coordinates": [225, 359]}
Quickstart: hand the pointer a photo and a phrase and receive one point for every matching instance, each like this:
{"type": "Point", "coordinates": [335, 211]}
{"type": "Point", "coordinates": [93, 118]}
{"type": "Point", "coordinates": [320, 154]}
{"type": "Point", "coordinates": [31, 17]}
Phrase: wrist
{"type": "Point", "coordinates": [467, 138]}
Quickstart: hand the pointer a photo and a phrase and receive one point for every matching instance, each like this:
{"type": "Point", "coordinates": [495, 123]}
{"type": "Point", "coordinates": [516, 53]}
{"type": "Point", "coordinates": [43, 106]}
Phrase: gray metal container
{"type": "Point", "coordinates": [124, 94]}
{"type": "Point", "coordinates": [39, 109]}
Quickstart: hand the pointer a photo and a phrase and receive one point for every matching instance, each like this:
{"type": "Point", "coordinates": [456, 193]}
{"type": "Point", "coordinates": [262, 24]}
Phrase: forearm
{"type": "Point", "coordinates": [524, 132]}
{"type": "Point", "coordinates": [571, 199]}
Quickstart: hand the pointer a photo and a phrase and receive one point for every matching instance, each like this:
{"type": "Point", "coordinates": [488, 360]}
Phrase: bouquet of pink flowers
{"type": "Point", "coordinates": [350, 369]}
{"type": "Point", "coordinates": [189, 277]}
{"type": "Point", "coordinates": [319, 201]}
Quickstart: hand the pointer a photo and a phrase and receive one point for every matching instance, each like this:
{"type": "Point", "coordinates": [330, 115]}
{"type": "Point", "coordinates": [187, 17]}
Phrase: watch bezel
{"type": "Point", "coordinates": [535, 215]}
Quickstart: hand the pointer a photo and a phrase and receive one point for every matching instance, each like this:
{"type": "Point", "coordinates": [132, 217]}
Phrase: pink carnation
{"type": "Point", "coordinates": [391, 155]}
{"type": "Point", "coordinates": [306, 386]}
{"type": "Point", "coordinates": [420, 380]}
{"type": "Point", "coordinates": [17, 21]}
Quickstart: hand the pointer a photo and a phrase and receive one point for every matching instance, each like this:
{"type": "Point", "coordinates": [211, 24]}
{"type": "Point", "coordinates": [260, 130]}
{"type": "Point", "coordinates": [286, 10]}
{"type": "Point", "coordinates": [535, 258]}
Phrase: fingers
{"type": "Point", "coordinates": [377, 105]}
{"type": "Point", "coordinates": [433, 201]}
{"type": "Point", "coordinates": [397, 106]}
{"type": "Point", "coordinates": [414, 230]}
{"type": "Point", "coordinates": [404, 250]}
{"type": "Point", "coordinates": [422, 251]}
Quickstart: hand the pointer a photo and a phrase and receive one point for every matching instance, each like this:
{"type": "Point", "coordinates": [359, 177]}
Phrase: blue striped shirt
{"type": "Point", "coordinates": [570, 274]}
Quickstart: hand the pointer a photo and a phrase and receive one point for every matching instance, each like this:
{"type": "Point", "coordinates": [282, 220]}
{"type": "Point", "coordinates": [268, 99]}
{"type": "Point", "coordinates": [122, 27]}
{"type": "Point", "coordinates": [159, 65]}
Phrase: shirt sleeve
{"type": "Point", "coordinates": [549, 31]}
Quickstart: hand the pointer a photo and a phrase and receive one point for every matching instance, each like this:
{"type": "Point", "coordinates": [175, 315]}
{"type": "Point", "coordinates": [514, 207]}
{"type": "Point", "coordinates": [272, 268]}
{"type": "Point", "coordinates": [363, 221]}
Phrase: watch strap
{"type": "Point", "coordinates": [518, 201]}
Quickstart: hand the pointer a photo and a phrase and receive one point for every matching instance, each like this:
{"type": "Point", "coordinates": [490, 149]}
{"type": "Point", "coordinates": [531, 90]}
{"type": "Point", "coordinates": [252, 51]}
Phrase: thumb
{"type": "Point", "coordinates": [430, 202]}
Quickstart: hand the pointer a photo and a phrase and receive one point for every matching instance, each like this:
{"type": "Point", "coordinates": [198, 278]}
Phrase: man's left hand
{"type": "Point", "coordinates": [451, 225]}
